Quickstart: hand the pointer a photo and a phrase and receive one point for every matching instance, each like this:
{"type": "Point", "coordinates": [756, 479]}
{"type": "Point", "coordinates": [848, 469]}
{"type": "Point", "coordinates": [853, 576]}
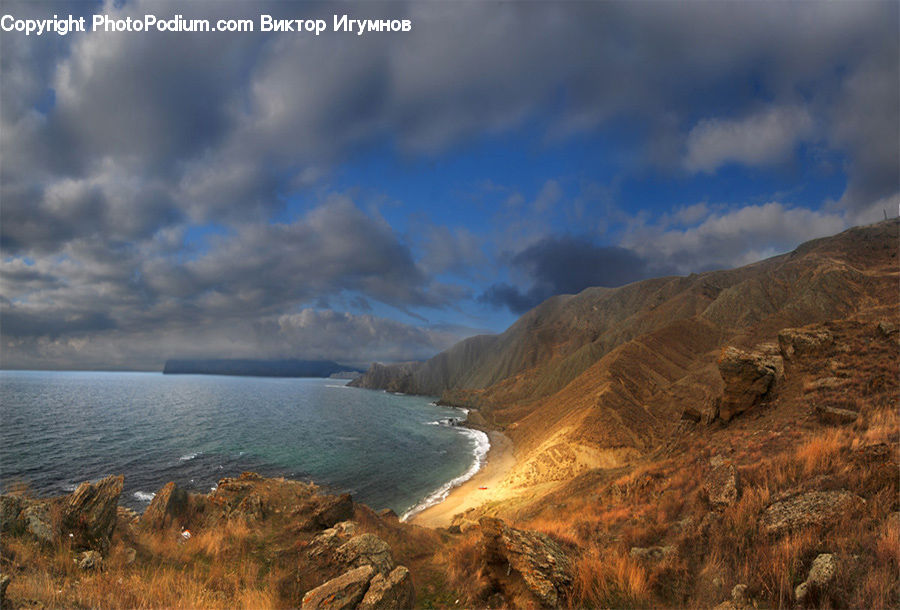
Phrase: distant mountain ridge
{"type": "Point", "coordinates": [257, 368]}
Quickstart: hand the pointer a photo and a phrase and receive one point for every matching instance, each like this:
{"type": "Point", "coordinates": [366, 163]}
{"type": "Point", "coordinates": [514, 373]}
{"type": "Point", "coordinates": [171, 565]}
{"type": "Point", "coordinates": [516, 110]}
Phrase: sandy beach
{"type": "Point", "coordinates": [499, 461]}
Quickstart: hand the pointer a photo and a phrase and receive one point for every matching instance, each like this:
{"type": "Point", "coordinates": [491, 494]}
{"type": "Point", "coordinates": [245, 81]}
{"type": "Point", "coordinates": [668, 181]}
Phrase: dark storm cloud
{"type": "Point", "coordinates": [566, 265]}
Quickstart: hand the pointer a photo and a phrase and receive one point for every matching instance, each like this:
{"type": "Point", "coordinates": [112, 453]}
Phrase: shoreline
{"type": "Point", "coordinates": [498, 462]}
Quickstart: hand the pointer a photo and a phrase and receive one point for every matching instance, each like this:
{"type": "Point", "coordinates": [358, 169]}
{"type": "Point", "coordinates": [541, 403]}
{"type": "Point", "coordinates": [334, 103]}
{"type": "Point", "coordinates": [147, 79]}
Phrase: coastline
{"type": "Point", "coordinates": [498, 462]}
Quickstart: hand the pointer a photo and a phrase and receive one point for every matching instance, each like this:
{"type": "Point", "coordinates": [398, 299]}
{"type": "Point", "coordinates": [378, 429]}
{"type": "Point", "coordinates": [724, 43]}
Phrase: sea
{"type": "Point", "coordinates": [388, 450]}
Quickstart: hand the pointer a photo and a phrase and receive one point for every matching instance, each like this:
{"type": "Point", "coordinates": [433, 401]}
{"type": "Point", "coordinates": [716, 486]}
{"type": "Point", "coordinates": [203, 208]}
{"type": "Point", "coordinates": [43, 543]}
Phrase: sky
{"type": "Point", "coordinates": [379, 197]}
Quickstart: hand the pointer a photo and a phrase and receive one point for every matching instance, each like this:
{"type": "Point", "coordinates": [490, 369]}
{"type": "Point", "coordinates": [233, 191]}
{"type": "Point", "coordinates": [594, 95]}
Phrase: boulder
{"type": "Point", "coordinates": [326, 542]}
{"type": "Point", "coordinates": [388, 592]}
{"type": "Point", "coordinates": [799, 342]}
{"type": "Point", "coordinates": [691, 414]}
{"type": "Point", "coordinates": [169, 506]}
{"type": "Point", "coordinates": [740, 600]}
{"type": "Point", "coordinates": [341, 593]}
{"type": "Point", "coordinates": [835, 416]}
{"type": "Point", "coordinates": [39, 521]}
{"type": "Point", "coordinates": [808, 509]}
{"type": "Point", "coordinates": [90, 513]}
{"type": "Point", "coordinates": [722, 485]}
{"type": "Point", "coordinates": [887, 328]}
{"type": "Point", "coordinates": [749, 376]}
{"type": "Point", "coordinates": [89, 560]}
{"type": "Point", "coordinates": [821, 573]}
{"type": "Point", "coordinates": [333, 509]}
{"type": "Point", "coordinates": [541, 562]}
{"type": "Point", "coordinates": [824, 383]}
{"type": "Point", "coordinates": [366, 549]}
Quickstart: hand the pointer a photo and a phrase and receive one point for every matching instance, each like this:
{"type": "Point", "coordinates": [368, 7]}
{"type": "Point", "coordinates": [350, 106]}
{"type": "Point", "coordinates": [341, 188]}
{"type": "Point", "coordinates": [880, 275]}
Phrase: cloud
{"type": "Point", "coordinates": [566, 265]}
{"type": "Point", "coordinates": [732, 238]}
{"type": "Point", "coordinates": [763, 138]}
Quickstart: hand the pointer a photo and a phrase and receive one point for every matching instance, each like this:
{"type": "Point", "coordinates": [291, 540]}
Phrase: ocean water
{"type": "Point", "coordinates": [390, 451]}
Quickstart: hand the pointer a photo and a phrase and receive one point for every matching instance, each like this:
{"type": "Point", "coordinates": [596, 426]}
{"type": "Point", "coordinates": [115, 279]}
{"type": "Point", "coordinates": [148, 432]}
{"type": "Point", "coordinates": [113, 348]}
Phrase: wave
{"type": "Point", "coordinates": [331, 385]}
{"type": "Point", "coordinates": [190, 456]}
{"type": "Point", "coordinates": [481, 444]}
{"type": "Point", "coordinates": [144, 496]}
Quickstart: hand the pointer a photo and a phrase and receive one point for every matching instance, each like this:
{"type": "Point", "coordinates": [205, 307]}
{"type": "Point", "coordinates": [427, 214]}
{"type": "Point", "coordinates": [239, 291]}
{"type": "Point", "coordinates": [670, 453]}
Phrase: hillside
{"type": "Point", "coordinates": [601, 377]}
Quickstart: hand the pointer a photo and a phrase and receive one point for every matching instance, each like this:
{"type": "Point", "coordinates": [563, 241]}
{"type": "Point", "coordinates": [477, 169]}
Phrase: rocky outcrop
{"type": "Point", "coordinates": [539, 561]}
{"type": "Point", "coordinates": [366, 549]}
{"type": "Point", "coordinates": [749, 377]}
{"type": "Point", "coordinates": [800, 342]}
{"type": "Point", "coordinates": [821, 573]}
{"type": "Point", "coordinates": [334, 509]}
{"type": "Point", "coordinates": [169, 505]}
{"type": "Point", "coordinates": [835, 416]}
{"type": "Point", "coordinates": [39, 522]}
{"type": "Point", "coordinates": [722, 485]}
{"type": "Point", "coordinates": [389, 592]}
{"type": "Point", "coordinates": [90, 513]}
{"type": "Point", "coordinates": [342, 593]}
{"type": "Point", "coordinates": [808, 509]}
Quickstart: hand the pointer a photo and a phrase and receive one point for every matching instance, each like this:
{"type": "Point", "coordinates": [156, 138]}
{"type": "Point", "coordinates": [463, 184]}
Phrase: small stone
{"type": "Point", "coordinates": [739, 594]}
{"type": "Point", "coordinates": [807, 509]}
{"type": "Point", "coordinates": [835, 416]}
{"type": "Point", "coordinates": [90, 560]}
{"type": "Point", "coordinates": [821, 573]}
{"type": "Point", "coordinates": [653, 553]}
{"type": "Point", "coordinates": [722, 485]}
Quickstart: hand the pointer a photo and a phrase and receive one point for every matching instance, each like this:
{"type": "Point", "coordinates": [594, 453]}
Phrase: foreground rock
{"type": "Point", "coordinates": [722, 485]}
{"type": "Point", "coordinates": [168, 506]}
{"type": "Point", "coordinates": [821, 573]}
{"type": "Point", "coordinates": [341, 593]}
{"type": "Point", "coordinates": [388, 592]}
{"type": "Point", "coordinates": [366, 549]}
{"type": "Point", "coordinates": [539, 561]}
{"type": "Point", "coordinates": [90, 513]}
{"type": "Point", "coordinates": [749, 377]}
{"type": "Point", "coordinates": [808, 509]}
{"type": "Point", "coordinates": [799, 342]}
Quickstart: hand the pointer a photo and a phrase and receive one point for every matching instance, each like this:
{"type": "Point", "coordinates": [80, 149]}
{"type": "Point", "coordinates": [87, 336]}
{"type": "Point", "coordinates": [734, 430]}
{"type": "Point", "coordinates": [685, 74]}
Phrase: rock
{"type": "Point", "coordinates": [388, 515]}
{"type": "Point", "coordinates": [824, 383]}
{"type": "Point", "coordinates": [10, 512]}
{"type": "Point", "coordinates": [366, 549]}
{"type": "Point", "coordinates": [820, 575]}
{"type": "Point", "coordinates": [4, 583]}
{"type": "Point", "coordinates": [691, 414]}
{"type": "Point", "coordinates": [739, 600]}
{"type": "Point", "coordinates": [748, 376]}
{"type": "Point", "coordinates": [251, 508]}
{"type": "Point", "coordinates": [89, 560]}
{"type": "Point", "coordinates": [169, 506]}
{"type": "Point", "coordinates": [652, 553]}
{"type": "Point", "coordinates": [722, 485]}
{"type": "Point", "coordinates": [467, 525]}
{"type": "Point", "coordinates": [739, 595]}
{"type": "Point", "coordinates": [130, 556]}
{"type": "Point", "coordinates": [807, 509]}
{"type": "Point", "coordinates": [39, 521]}
{"type": "Point", "coordinates": [798, 342]}
{"type": "Point", "coordinates": [326, 542]}
{"type": "Point", "coordinates": [90, 513]}
{"type": "Point", "coordinates": [341, 593]}
{"type": "Point", "coordinates": [387, 592]}
{"type": "Point", "coordinates": [540, 561]}
{"type": "Point", "coordinates": [887, 328]}
{"type": "Point", "coordinates": [333, 509]}
{"type": "Point", "coordinates": [835, 416]}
